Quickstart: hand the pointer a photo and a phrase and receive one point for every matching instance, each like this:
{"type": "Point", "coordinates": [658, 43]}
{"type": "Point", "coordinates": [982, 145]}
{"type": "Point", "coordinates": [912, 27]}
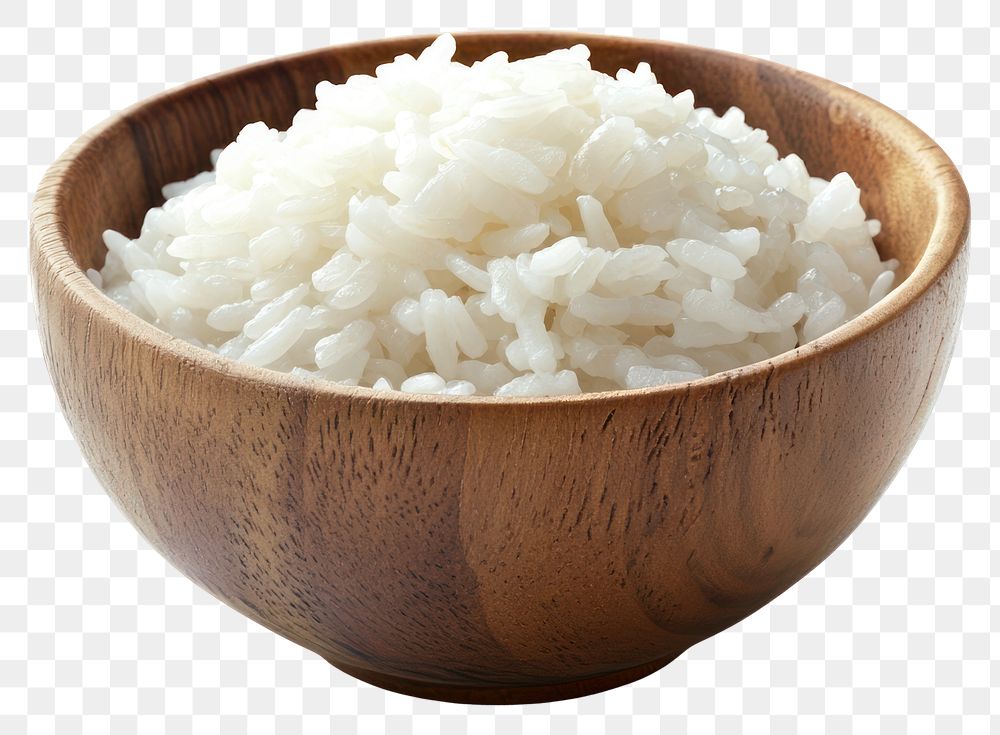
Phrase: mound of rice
{"type": "Point", "coordinates": [510, 228]}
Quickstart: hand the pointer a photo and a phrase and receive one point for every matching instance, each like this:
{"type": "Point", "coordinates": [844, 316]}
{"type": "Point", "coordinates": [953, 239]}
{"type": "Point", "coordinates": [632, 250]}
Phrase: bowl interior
{"type": "Point", "coordinates": [118, 175]}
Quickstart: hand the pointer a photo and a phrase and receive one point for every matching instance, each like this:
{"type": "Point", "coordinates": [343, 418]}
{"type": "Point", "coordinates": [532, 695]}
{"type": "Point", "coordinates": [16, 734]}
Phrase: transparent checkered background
{"type": "Point", "coordinates": [895, 632]}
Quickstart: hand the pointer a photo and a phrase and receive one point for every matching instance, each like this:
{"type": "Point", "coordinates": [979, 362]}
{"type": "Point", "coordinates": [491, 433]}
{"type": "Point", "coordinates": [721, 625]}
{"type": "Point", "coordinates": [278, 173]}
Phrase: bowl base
{"type": "Point", "coordinates": [530, 694]}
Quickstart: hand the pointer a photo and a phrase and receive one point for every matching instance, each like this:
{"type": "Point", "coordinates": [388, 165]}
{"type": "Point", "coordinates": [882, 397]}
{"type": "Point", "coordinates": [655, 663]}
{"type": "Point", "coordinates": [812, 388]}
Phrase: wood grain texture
{"type": "Point", "coordinates": [498, 550]}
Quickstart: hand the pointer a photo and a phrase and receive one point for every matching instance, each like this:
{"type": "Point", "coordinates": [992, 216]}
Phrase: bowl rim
{"type": "Point", "coordinates": [947, 239]}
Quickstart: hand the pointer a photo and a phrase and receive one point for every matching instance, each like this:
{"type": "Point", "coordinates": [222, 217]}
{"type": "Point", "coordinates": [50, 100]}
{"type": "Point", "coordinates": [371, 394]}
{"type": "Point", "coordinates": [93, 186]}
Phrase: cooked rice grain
{"type": "Point", "coordinates": [509, 228]}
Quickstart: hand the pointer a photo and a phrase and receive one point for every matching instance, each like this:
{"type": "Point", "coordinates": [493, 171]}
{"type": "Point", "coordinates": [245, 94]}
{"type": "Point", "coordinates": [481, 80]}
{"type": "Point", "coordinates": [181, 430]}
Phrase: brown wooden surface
{"type": "Point", "coordinates": [498, 550]}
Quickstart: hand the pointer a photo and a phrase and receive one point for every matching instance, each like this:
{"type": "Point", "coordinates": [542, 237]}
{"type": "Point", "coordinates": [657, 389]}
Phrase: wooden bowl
{"type": "Point", "coordinates": [498, 550]}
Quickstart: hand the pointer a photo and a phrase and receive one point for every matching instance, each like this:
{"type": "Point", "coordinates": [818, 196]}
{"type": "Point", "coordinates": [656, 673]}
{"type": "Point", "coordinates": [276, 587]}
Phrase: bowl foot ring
{"type": "Point", "coordinates": [529, 694]}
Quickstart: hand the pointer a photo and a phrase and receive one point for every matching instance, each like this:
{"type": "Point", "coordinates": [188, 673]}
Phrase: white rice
{"type": "Point", "coordinates": [510, 228]}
